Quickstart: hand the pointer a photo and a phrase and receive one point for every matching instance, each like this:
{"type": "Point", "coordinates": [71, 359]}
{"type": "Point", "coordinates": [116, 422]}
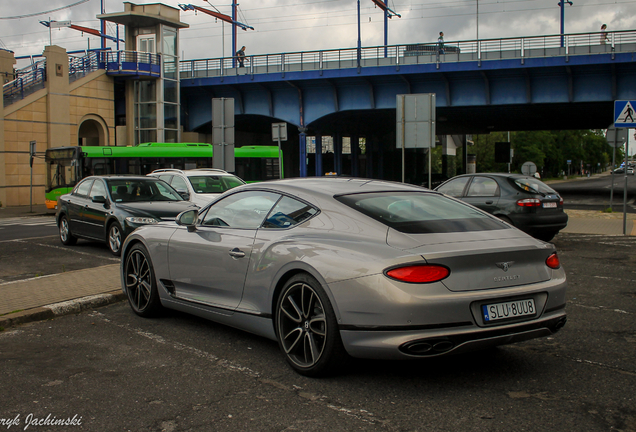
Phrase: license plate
{"type": "Point", "coordinates": [549, 205]}
{"type": "Point", "coordinates": [506, 310]}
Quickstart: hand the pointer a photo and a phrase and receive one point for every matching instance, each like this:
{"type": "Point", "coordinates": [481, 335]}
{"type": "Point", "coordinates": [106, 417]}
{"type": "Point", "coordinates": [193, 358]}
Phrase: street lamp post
{"type": "Point", "coordinates": [359, 37]}
{"type": "Point", "coordinates": [562, 4]}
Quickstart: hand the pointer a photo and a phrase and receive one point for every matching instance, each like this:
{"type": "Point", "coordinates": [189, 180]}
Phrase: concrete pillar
{"type": "Point", "coordinates": [7, 60]}
{"type": "Point", "coordinates": [337, 153]}
{"type": "Point", "coordinates": [319, 171]}
{"type": "Point", "coordinates": [58, 113]}
{"type": "Point", "coordinates": [302, 153]}
{"type": "Point", "coordinates": [449, 156]}
{"type": "Point", "coordinates": [355, 155]}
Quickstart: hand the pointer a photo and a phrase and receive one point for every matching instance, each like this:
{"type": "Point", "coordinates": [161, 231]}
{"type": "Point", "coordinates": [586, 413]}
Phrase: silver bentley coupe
{"type": "Point", "coordinates": [337, 267]}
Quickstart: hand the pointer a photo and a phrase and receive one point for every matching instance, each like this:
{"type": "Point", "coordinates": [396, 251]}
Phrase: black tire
{"type": "Point", "coordinates": [114, 238]}
{"type": "Point", "coordinates": [307, 329]}
{"type": "Point", "coordinates": [66, 236]}
{"type": "Point", "coordinates": [546, 236]}
{"type": "Point", "coordinates": [141, 285]}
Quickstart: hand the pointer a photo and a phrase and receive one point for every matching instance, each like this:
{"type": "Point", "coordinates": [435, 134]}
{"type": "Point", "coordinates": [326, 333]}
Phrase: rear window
{"type": "Point", "coordinates": [421, 213]}
{"type": "Point", "coordinates": [533, 185]}
{"type": "Point", "coordinates": [214, 184]}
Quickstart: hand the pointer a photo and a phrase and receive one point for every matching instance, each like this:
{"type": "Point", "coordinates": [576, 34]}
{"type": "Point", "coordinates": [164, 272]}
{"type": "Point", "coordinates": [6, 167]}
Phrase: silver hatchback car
{"type": "Point", "coordinates": [200, 185]}
{"type": "Point", "coordinates": [334, 267]}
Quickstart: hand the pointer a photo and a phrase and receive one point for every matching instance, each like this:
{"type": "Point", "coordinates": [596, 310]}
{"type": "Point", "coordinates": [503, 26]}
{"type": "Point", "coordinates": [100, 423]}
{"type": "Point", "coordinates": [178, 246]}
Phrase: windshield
{"type": "Point", "coordinates": [421, 213]}
{"type": "Point", "coordinates": [140, 190]}
{"type": "Point", "coordinates": [214, 184]}
{"type": "Point", "coordinates": [61, 168]}
{"type": "Point", "coordinates": [533, 185]}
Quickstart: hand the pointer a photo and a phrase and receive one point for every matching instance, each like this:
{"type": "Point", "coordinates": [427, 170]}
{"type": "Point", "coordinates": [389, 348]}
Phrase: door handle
{"type": "Point", "coordinates": [236, 253]}
{"type": "Point", "coordinates": [488, 202]}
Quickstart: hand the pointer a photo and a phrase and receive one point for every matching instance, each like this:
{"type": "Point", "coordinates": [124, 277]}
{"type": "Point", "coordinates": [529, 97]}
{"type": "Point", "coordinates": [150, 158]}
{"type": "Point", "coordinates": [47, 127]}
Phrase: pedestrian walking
{"type": "Point", "coordinates": [240, 56]}
{"type": "Point", "coordinates": [604, 37]}
{"type": "Point", "coordinates": [440, 43]}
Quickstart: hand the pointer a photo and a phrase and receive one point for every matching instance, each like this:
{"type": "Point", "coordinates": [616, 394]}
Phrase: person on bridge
{"type": "Point", "coordinates": [604, 37]}
{"type": "Point", "coordinates": [240, 55]}
{"type": "Point", "coordinates": [440, 43]}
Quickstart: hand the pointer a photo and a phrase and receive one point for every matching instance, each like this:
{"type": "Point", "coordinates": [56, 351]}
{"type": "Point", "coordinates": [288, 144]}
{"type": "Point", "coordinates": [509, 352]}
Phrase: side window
{"type": "Point", "coordinates": [289, 212]}
{"type": "Point", "coordinates": [179, 184]}
{"type": "Point", "coordinates": [454, 188]}
{"type": "Point", "coordinates": [165, 178]}
{"type": "Point", "coordinates": [483, 187]}
{"type": "Point", "coordinates": [244, 210]}
{"type": "Point", "coordinates": [98, 189]}
{"type": "Point", "coordinates": [83, 188]}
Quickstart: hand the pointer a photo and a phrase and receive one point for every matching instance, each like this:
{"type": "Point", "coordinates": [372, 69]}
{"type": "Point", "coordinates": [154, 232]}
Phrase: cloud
{"type": "Point", "coordinates": [309, 25]}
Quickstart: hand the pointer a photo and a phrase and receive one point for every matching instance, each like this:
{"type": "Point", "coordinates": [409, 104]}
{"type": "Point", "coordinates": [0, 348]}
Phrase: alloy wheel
{"type": "Point", "coordinates": [138, 280]}
{"type": "Point", "coordinates": [114, 238]}
{"type": "Point", "coordinates": [64, 231]}
{"type": "Point", "coordinates": [302, 325]}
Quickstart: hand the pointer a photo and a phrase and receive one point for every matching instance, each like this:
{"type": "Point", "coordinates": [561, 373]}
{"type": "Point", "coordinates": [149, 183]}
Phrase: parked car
{"type": "Point", "coordinates": [335, 267]}
{"type": "Point", "coordinates": [198, 185]}
{"type": "Point", "coordinates": [621, 170]}
{"type": "Point", "coordinates": [109, 208]}
{"type": "Point", "coordinates": [523, 201]}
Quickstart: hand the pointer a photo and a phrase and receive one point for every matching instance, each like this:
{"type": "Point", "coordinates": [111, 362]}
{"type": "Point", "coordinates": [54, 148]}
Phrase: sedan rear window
{"type": "Point", "coordinates": [421, 213]}
{"type": "Point", "coordinates": [533, 185]}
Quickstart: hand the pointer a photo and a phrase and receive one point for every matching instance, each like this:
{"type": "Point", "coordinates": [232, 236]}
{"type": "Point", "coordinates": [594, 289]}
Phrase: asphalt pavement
{"type": "Point", "coordinates": [46, 297]}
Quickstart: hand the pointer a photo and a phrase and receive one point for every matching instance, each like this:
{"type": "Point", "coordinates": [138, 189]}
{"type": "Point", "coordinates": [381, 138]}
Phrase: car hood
{"type": "Point", "coordinates": [164, 210]}
{"type": "Point", "coordinates": [481, 260]}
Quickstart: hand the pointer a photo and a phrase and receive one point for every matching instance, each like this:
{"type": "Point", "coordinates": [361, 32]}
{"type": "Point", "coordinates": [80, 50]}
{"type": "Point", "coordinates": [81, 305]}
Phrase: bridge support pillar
{"type": "Point", "coordinates": [302, 151]}
{"type": "Point", "coordinates": [337, 153]}
{"type": "Point", "coordinates": [355, 155]}
{"type": "Point", "coordinates": [449, 155]}
{"type": "Point", "coordinates": [319, 171]}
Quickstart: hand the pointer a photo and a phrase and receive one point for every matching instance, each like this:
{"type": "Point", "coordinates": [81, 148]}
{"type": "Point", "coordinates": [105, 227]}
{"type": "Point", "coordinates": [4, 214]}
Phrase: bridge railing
{"type": "Point", "coordinates": [454, 51]}
{"type": "Point", "coordinates": [28, 80]}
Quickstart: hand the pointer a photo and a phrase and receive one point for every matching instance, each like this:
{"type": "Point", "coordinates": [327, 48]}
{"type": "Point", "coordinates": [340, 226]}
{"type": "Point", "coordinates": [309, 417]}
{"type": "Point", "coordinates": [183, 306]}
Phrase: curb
{"type": "Point", "coordinates": [60, 309]}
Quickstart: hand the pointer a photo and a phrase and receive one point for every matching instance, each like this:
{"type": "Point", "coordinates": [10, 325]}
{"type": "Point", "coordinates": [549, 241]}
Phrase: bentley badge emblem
{"type": "Point", "coordinates": [505, 265]}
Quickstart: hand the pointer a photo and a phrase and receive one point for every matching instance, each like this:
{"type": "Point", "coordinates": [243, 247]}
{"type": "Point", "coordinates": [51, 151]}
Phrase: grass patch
{"type": "Point", "coordinates": [9, 313]}
{"type": "Point", "coordinates": [608, 210]}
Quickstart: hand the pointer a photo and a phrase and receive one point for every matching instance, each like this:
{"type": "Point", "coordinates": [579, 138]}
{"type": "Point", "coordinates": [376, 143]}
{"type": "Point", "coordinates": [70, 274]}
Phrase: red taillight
{"type": "Point", "coordinates": [419, 273]}
{"type": "Point", "coordinates": [553, 261]}
{"type": "Point", "coordinates": [529, 202]}
{"type": "Point", "coordinates": [560, 200]}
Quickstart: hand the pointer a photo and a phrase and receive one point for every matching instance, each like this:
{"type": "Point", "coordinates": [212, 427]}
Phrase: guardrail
{"type": "Point", "coordinates": [28, 80]}
{"type": "Point", "coordinates": [79, 67]}
{"type": "Point", "coordinates": [520, 48]}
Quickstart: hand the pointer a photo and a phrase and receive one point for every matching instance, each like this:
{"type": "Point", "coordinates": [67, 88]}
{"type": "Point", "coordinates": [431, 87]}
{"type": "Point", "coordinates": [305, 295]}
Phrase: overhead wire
{"type": "Point", "coordinates": [45, 12]}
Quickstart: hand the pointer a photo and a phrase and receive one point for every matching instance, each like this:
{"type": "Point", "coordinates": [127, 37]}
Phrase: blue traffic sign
{"type": "Point", "coordinates": [624, 114]}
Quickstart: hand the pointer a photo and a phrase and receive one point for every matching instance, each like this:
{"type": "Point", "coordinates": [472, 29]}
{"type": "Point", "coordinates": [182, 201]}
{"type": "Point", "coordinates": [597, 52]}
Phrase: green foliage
{"type": "Point", "coordinates": [549, 150]}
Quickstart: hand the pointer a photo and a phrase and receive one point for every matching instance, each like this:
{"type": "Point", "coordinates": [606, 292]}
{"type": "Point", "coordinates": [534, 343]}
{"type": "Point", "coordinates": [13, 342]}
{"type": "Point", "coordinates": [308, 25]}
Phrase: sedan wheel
{"type": "Point", "coordinates": [65, 232]}
{"type": "Point", "coordinates": [307, 328]}
{"type": "Point", "coordinates": [114, 238]}
{"type": "Point", "coordinates": [140, 282]}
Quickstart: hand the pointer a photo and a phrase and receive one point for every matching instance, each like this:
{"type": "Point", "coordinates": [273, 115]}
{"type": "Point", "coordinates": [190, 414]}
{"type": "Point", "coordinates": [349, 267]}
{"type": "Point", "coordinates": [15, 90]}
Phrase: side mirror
{"type": "Point", "coordinates": [188, 219]}
{"type": "Point", "coordinates": [100, 199]}
{"type": "Point", "coordinates": [184, 194]}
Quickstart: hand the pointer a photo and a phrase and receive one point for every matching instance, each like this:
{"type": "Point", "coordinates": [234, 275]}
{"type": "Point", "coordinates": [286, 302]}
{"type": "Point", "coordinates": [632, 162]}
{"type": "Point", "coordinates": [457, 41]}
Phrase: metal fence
{"type": "Point", "coordinates": [80, 66]}
{"type": "Point", "coordinates": [28, 80]}
{"type": "Point", "coordinates": [454, 51]}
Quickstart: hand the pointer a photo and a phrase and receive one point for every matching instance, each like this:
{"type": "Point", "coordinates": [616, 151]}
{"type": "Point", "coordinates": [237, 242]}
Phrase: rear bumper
{"type": "Point", "coordinates": [540, 223]}
{"type": "Point", "coordinates": [456, 340]}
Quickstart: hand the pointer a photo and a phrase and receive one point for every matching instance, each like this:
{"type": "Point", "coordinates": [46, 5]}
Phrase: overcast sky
{"type": "Point", "coordinates": [308, 25]}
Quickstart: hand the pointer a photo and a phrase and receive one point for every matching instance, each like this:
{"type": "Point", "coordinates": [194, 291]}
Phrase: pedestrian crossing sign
{"type": "Point", "coordinates": [624, 114]}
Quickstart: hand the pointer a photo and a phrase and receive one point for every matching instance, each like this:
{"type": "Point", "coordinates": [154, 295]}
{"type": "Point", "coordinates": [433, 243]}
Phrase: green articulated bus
{"type": "Point", "coordinates": [66, 166]}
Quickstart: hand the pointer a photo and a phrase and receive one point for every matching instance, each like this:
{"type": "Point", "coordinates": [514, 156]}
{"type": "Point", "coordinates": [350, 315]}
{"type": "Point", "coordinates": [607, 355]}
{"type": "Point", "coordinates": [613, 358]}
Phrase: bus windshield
{"type": "Point", "coordinates": [61, 168]}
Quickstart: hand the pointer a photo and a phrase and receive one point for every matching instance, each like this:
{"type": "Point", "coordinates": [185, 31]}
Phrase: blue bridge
{"type": "Point", "coordinates": [534, 83]}
{"type": "Point", "coordinates": [550, 82]}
